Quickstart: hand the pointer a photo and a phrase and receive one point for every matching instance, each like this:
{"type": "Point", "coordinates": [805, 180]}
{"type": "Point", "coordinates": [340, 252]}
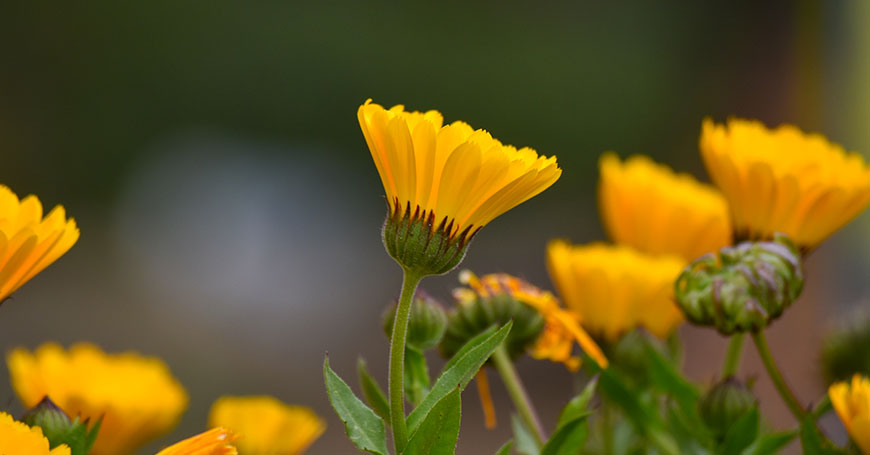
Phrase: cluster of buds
{"type": "Point", "coordinates": [743, 289]}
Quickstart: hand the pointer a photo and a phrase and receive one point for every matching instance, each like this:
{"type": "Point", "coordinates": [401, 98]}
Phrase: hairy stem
{"type": "Point", "coordinates": [397, 361]}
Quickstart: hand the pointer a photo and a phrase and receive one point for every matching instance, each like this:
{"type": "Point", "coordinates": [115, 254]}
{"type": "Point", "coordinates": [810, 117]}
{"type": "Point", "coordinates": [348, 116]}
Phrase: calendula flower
{"type": "Point", "coordinates": [217, 441]}
{"type": "Point", "coordinates": [17, 438]}
{"type": "Point", "coordinates": [269, 426]}
{"type": "Point", "coordinates": [444, 182]}
{"type": "Point", "coordinates": [614, 289]}
{"type": "Point", "coordinates": [136, 397]}
{"type": "Point", "coordinates": [647, 206]}
{"type": "Point", "coordinates": [852, 403]}
{"type": "Point", "coordinates": [30, 242]}
{"type": "Point", "coordinates": [783, 180]}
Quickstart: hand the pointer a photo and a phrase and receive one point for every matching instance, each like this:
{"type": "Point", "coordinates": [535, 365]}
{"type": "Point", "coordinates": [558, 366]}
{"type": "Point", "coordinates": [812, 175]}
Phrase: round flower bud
{"type": "Point", "coordinates": [744, 289]}
{"type": "Point", "coordinates": [59, 429]}
{"type": "Point", "coordinates": [724, 404]}
{"type": "Point", "coordinates": [846, 349]}
{"type": "Point", "coordinates": [494, 302]}
{"type": "Point", "coordinates": [426, 324]}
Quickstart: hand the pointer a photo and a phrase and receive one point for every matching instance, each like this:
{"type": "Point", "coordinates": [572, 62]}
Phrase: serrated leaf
{"type": "Point", "coordinates": [439, 431]}
{"type": "Point", "coordinates": [416, 376]}
{"type": "Point", "coordinates": [461, 371]}
{"type": "Point", "coordinates": [364, 428]}
{"type": "Point", "coordinates": [525, 442]}
{"type": "Point", "coordinates": [741, 434]}
{"type": "Point", "coordinates": [568, 439]}
{"type": "Point", "coordinates": [372, 392]}
{"type": "Point", "coordinates": [506, 448]}
{"type": "Point", "coordinates": [576, 408]}
{"type": "Point", "coordinates": [768, 444]}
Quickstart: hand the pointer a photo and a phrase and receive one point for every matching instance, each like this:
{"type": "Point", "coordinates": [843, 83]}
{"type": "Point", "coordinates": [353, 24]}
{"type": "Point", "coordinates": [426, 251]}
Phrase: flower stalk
{"type": "Point", "coordinates": [397, 360]}
{"type": "Point", "coordinates": [732, 356]}
{"type": "Point", "coordinates": [518, 394]}
{"type": "Point", "coordinates": [785, 392]}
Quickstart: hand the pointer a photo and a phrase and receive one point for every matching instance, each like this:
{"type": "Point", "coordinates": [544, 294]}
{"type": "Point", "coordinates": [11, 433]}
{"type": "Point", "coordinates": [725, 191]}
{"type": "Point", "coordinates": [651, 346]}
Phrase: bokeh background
{"type": "Point", "coordinates": [230, 211]}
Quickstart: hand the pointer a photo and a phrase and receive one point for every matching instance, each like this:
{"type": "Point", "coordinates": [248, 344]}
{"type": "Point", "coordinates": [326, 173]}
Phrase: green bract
{"type": "Point", "coordinates": [59, 429]}
{"type": "Point", "coordinates": [744, 289]}
{"type": "Point", "coordinates": [421, 244]}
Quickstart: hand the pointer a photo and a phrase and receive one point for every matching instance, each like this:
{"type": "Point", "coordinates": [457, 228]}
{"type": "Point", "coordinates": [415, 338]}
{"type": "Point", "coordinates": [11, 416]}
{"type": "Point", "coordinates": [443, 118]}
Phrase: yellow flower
{"type": "Point", "coordinates": [269, 426]}
{"type": "Point", "coordinates": [647, 206]}
{"type": "Point", "coordinates": [217, 441]}
{"type": "Point", "coordinates": [561, 328]}
{"type": "Point", "coordinates": [17, 438]}
{"type": "Point", "coordinates": [28, 242]}
{"type": "Point", "coordinates": [445, 181]}
{"type": "Point", "coordinates": [137, 397]}
{"type": "Point", "coordinates": [783, 180]}
{"type": "Point", "coordinates": [613, 289]}
{"type": "Point", "coordinates": [852, 404]}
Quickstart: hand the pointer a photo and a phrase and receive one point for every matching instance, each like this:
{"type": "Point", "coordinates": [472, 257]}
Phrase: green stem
{"type": "Point", "coordinates": [517, 392]}
{"type": "Point", "coordinates": [778, 381]}
{"type": "Point", "coordinates": [732, 356]}
{"type": "Point", "coordinates": [397, 361]}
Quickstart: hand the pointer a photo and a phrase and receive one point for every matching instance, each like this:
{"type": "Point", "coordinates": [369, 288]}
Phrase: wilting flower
{"type": "Point", "coordinates": [852, 403]}
{"type": "Point", "coordinates": [269, 426]}
{"type": "Point", "coordinates": [647, 206]}
{"type": "Point", "coordinates": [444, 183]}
{"type": "Point", "coordinates": [17, 438]}
{"type": "Point", "coordinates": [613, 289]}
{"type": "Point", "coordinates": [783, 180]}
{"type": "Point", "coordinates": [217, 441]}
{"type": "Point", "coordinates": [28, 242]}
{"type": "Point", "coordinates": [136, 397]}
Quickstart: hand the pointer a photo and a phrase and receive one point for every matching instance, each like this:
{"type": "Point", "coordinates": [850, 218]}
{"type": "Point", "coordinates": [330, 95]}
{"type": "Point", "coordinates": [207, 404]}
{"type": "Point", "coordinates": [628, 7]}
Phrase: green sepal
{"type": "Point", "coordinates": [416, 376]}
{"type": "Point", "coordinates": [458, 372]}
{"type": "Point", "coordinates": [439, 431]}
{"type": "Point", "coordinates": [59, 429]}
{"type": "Point", "coordinates": [364, 428]}
{"type": "Point", "coordinates": [372, 392]}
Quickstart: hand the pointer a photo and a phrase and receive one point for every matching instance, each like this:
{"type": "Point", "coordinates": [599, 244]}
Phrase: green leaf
{"type": "Point", "coordinates": [364, 428]}
{"type": "Point", "coordinates": [506, 448]}
{"type": "Point", "coordinates": [568, 439]}
{"type": "Point", "coordinates": [576, 408]}
{"type": "Point", "coordinates": [741, 434]}
{"type": "Point", "coordinates": [667, 378]}
{"type": "Point", "coordinates": [439, 431]}
{"type": "Point", "coordinates": [460, 372]}
{"type": "Point", "coordinates": [372, 392]}
{"type": "Point", "coordinates": [468, 346]}
{"type": "Point", "coordinates": [525, 442]}
{"type": "Point", "coordinates": [416, 376]}
{"type": "Point", "coordinates": [768, 444]}
{"type": "Point", "coordinates": [812, 441]}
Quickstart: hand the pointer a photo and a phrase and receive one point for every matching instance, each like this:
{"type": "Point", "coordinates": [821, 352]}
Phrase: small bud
{"type": "Point", "coordinates": [744, 289]}
{"type": "Point", "coordinates": [59, 429]}
{"type": "Point", "coordinates": [629, 355]}
{"type": "Point", "coordinates": [724, 404]}
{"type": "Point", "coordinates": [426, 324]}
{"type": "Point", "coordinates": [846, 349]}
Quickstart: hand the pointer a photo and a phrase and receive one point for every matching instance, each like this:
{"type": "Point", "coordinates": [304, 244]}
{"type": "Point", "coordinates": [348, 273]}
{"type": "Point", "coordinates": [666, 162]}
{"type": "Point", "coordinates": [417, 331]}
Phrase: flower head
{"type": "Point", "coordinates": [613, 289]}
{"type": "Point", "coordinates": [783, 180]}
{"type": "Point", "coordinates": [136, 397]}
{"type": "Point", "coordinates": [852, 403]}
{"type": "Point", "coordinates": [17, 438]}
{"type": "Point", "coordinates": [30, 242]}
{"type": "Point", "coordinates": [444, 182]}
{"type": "Point", "coordinates": [217, 441]}
{"type": "Point", "coordinates": [647, 206]}
{"type": "Point", "coordinates": [269, 426]}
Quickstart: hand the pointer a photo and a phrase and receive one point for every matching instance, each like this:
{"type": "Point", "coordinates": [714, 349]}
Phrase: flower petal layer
{"type": "Point", "coordinates": [17, 438]}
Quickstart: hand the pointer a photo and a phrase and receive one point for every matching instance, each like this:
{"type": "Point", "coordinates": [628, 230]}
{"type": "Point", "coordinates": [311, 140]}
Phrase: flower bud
{"type": "Point", "coordinates": [59, 429]}
{"type": "Point", "coordinates": [846, 349]}
{"type": "Point", "coordinates": [724, 404]}
{"type": "Point", "coordinates": [426, 324]}
{"type": "Point", "coordinates": [744, 289]}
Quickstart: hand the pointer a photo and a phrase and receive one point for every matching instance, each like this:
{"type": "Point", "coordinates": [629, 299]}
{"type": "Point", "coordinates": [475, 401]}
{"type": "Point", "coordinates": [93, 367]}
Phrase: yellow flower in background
{"type": "Point", "coordinates": [30, 242]}
{"type": "Point", "coordinates": [614, 289]}
{"type": "Point", "coordinates": [268, 426]}
{"type": "Point", "coordinates": [783, 180]}
{"type": "Point", "coordinates": [17, 438]}
{"type": "Point", "coordinates": [217, 441]}
{"type": "Point", "coordinates": [137, 397]}
{"type": "Point", "coordinates": [648, 206]}
{"type": "Point", "coordinates": [852, 403]}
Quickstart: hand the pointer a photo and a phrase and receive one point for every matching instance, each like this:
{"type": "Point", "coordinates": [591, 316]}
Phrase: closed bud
{"type": "Point", "coordinates": [743, 289]}
{"type": "Point", "coordinates": [59, 429]}
{"type": "Point", "coordinates": [724, 404]}
{"type": "Point", "coordinates": [426, 324]}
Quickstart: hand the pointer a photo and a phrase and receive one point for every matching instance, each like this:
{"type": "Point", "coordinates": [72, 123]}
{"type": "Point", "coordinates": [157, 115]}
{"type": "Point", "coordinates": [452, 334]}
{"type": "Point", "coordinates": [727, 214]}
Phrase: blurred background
{"type": "Point", "coordinates": [230, 211]}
